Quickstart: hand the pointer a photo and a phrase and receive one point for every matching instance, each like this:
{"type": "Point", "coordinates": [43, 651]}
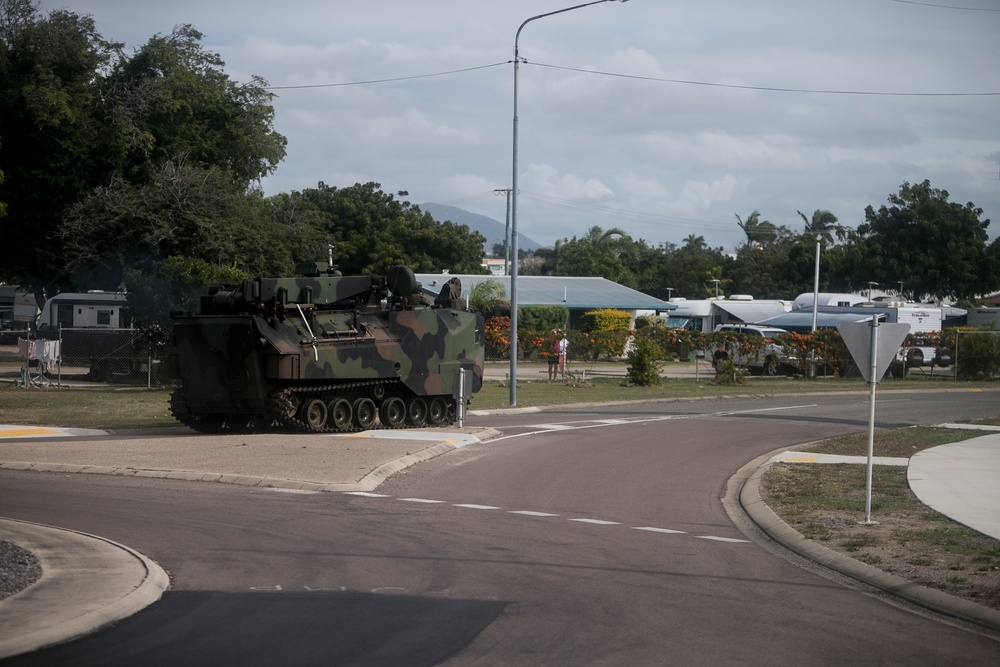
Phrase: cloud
{"type": "Point", "coordinates": [661, 159]}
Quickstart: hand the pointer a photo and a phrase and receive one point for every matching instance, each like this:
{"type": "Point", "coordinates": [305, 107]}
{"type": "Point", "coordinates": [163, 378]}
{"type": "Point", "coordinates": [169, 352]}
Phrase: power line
{"type": "Point", "coordinates": [929, 4]}
{"type": "Point", "coordinates": [389, 80]}
{"type": "Point", "coordinates": [636, 77]}
{"type": "Point", "coordinates": [761, 88]}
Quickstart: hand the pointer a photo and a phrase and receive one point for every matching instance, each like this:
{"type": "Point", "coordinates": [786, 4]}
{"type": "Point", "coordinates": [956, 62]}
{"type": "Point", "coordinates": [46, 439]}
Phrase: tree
{"type": "Point", "coordinates": [172, 98]}
{"type": "Point", "coordinates": [758, 232]}
{"type": "Point", "coordinates": [935, 247]}
{"type": "Point", "coordinates": [82, 124]}
{"type": "Point", "coordinates": [51, 133]}
{"type": "Point", "coordinates": [822, 225]}
{"type": "Point", "coordinates": [597, 253]}
{"type": "Point", "coordinates": [695, 243]}
{"type": "Point", "coordinates": [187, 210]}
{"type": "Point", "coordinates": [173, 284]}
{"type": "Point", "coordinates": [489, 299]}
{"type": "Point", "coordinates": [691, 269]}
{"type": "Point", "coordinates": [541, 262]}
{"type": "Point", "coordinates": [372, 231]}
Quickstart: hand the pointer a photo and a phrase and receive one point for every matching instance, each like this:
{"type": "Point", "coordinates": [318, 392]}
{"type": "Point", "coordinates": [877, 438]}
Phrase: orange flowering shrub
{"type": "Point", "coordinates": [530, 344]}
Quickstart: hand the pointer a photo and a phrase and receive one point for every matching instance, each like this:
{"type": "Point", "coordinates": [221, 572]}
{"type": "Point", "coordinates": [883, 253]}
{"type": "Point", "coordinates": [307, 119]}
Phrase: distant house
{"type": "Point", "coordinates": [578, 294]}
{"type": "Point", "coordinates": [496, 266]}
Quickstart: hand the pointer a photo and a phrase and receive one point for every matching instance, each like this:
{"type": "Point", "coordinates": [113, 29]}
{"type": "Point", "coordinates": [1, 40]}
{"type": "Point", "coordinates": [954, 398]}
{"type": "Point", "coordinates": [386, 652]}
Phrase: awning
{"type": "Point", "coordinates": [752, 312]}
{"type": "Point", "coordinates": [800, 321]}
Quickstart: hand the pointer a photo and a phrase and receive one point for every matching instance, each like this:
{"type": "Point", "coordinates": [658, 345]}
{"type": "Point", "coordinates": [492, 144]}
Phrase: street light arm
{"type": "Point", "coordinates": [558, 11]}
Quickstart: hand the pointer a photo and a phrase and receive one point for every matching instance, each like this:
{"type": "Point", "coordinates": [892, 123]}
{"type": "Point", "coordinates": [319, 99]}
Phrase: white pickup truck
{"type": "Point", "coordinates": [771, 359]}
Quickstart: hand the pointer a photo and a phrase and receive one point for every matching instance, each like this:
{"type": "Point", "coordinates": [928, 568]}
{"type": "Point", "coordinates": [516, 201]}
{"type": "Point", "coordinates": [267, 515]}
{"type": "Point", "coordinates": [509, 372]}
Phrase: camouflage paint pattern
{"type": "Point", "coordinates": [322, 331]}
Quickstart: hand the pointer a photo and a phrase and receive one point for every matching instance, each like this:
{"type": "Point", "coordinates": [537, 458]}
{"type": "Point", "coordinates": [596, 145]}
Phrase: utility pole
{"type": "Point", "coordinates": [506, 234]}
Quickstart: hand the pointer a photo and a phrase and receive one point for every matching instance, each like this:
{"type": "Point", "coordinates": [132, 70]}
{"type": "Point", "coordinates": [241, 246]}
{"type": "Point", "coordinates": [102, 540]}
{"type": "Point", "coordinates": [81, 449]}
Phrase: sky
{"type": "Point", "coordinates": [663, 118]}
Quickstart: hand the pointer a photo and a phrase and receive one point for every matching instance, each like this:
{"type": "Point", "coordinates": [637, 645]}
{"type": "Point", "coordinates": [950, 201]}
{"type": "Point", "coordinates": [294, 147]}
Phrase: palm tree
{"type": "Point", "coordinates": [758, 232]}
{"type": "Point", "coordinates": [695, 243]}
{"type": "Point", "coordinates": [823, 224]}
{"type": "Point", "coordinates": [598, 238]}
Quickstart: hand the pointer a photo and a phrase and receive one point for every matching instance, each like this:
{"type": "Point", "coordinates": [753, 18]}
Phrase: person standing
{"type": "Point", "coordinates": [563, 345]}
{"type": "Point", "coordinates": [553, 355]}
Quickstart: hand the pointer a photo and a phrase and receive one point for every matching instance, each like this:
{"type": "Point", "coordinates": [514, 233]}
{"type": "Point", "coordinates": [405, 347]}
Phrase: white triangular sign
{"type": "Point", "coordinates": [858, 339]}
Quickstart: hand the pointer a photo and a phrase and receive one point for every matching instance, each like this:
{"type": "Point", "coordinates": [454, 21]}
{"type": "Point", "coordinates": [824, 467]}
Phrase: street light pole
{"type": "Point", "coordinates": [513, 201]}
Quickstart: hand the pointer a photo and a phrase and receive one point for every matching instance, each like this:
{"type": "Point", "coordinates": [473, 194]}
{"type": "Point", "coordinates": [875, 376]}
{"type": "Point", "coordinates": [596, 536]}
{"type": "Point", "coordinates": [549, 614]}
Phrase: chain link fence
{"type": "Point", "coordinates": [82, 358]}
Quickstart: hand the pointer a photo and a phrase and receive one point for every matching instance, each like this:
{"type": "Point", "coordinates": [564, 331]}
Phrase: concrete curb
{"type": "Point", "coordinates": [774, 527]}
{"type": "Point", "coordinates": [366, 483]}
{"type": "Point", "coordinates": [106, 581]}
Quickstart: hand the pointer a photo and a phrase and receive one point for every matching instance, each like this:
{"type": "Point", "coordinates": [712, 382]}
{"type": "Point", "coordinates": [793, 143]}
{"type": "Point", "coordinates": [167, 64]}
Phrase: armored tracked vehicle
{"type": "Point", "coordinates": [325, 352]}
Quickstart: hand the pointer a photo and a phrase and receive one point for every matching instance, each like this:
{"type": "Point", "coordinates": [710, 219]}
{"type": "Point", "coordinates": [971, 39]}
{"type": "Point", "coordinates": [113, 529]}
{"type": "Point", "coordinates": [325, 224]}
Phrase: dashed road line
{"type": "Point", "coordinates": [535, 513]}
{"type": "Point", "coordinates": [718, 539]}
{"type": "Point", "coordinates": [653, 529]}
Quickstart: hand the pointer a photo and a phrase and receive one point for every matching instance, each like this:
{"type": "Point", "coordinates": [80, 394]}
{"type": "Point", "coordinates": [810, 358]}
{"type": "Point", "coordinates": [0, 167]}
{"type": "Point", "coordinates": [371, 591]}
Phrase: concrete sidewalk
{"type": "Point", "coordinates": [960, 480]}
{"type": "Point", "coordinates": [87, 583]}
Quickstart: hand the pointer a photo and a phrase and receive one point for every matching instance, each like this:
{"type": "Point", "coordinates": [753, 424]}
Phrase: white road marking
{"type": "Point", "coordinates": [534, 513]}
{"type": "Point", "coordinates": [553, 427]}
{"type": "Point", "coordinates": [719, 539]}
{"type": "Point", "coordinates": [651, 529]}
{"type": "Point", "coordinates": [451, 437]}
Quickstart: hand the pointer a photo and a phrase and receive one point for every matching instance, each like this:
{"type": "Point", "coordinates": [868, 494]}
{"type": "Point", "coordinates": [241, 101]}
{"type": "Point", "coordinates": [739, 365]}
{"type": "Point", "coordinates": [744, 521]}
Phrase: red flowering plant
{"type": "Point", "coordinates": [732, 343]}
{"type": "Point", "coordinates": [823, 349]}
{"type": "Point", "coordinates": [497, 337]}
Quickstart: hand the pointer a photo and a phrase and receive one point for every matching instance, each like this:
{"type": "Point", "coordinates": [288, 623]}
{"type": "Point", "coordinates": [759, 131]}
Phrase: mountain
{"type": "Point", "coordinates": [493, 230]}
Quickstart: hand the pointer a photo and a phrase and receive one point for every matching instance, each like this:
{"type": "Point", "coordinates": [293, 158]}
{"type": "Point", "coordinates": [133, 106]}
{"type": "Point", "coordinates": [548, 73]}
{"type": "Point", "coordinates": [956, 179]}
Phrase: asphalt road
{"type": "Point", "coordinates": [597, 536]}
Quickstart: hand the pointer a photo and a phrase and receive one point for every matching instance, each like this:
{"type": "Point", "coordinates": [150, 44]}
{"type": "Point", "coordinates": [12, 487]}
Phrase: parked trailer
{"type": "Point", "coordinates": [96, 332]}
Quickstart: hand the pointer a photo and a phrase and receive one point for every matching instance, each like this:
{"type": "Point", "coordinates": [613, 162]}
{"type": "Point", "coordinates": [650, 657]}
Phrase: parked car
{"type": "Point", "coordinates": [768, 359]}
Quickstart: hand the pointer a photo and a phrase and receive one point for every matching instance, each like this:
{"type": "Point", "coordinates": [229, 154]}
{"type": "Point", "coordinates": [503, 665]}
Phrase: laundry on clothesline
{"type": "Point", "coordinates": [45, 351]}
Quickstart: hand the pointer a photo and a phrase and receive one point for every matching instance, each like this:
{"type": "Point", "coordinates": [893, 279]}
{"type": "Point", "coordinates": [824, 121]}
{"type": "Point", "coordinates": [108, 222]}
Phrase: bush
{"type": "Point", "coordinates": [726, 372]}
{"type": "Point", "coordinates": [643, 360]}
{"type": "Point", "coordinates": [543, 318]}
{"type": "Point", "coordinates": [978, 355]}
{"type": "Point", "coordinates": [605, 332]}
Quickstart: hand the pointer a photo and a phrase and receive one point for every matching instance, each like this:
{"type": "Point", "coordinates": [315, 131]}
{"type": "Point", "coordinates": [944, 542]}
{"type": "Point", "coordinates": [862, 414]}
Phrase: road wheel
{"type": "Point", "coordinates": [392, 412]}
{"type": "Point", "coordinates": [437, 412]}
{"type": "Point", "coordinates": [364, 413]}
{"type": "Point", "coordinates": [416, 411]}
{"type": "Point", "coordinates": [771, 367]}
{"type": "Point", "coordinates": [313, 412]}
{"type": "Point", "coordinates": [340, 413]}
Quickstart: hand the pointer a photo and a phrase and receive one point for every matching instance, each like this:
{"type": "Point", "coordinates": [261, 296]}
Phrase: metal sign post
{"type": "Point", "coordinates": [871, 420]}
{"type": "Point", "coordinates": [873, 357]}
